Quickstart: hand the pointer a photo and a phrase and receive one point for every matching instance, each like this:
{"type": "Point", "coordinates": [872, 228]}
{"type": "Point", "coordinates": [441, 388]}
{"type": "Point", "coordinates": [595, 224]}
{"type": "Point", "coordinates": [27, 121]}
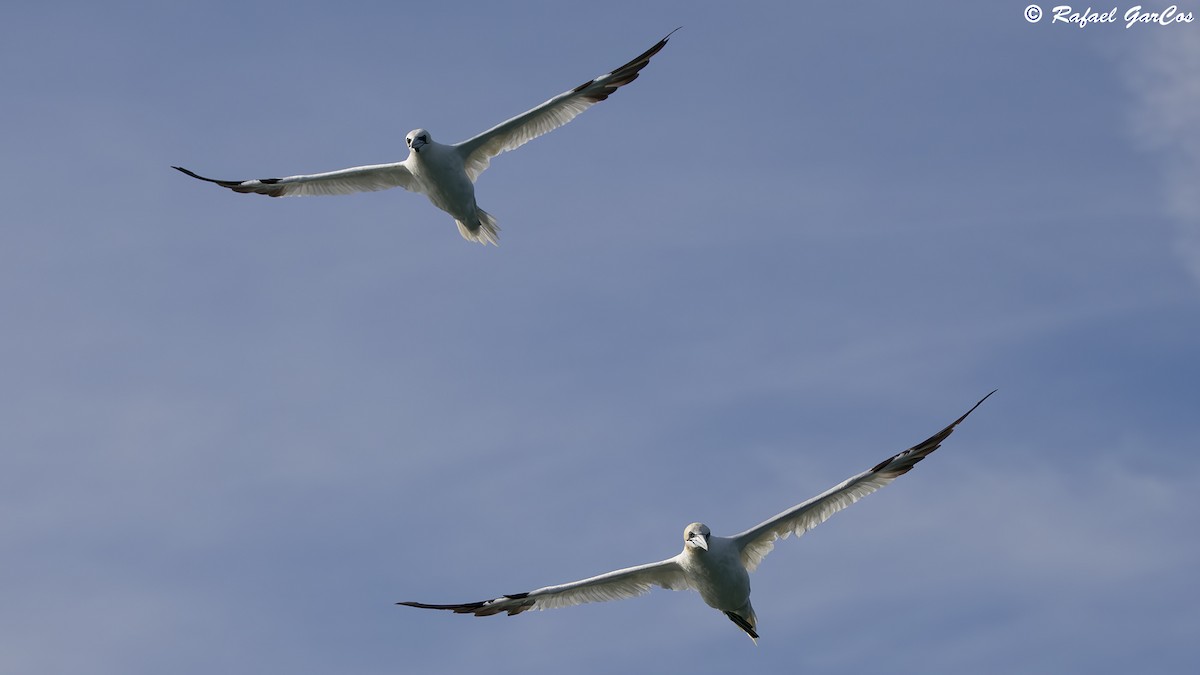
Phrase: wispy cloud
{"type": "Point", "coordinates": [1164, 76]}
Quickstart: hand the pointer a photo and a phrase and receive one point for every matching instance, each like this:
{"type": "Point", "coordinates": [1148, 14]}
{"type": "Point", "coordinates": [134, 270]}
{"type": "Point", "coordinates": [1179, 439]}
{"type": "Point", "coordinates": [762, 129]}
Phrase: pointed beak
{"type": "Point", "coordinates": [698, 541]}
{"type": "Point", "coordinates": [416, 144]}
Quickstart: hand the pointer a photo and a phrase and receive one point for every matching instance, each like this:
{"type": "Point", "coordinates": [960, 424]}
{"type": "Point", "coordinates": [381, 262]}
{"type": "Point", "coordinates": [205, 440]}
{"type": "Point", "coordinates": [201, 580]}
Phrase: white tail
{"type": "Point", "coordinates": [486, 231]}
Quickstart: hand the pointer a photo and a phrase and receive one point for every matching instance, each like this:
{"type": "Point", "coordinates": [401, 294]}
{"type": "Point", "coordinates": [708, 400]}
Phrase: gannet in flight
{"type": "Point", "coordinates": [446, 173]}
{"type": "Point", "coordinates": [717, 567]}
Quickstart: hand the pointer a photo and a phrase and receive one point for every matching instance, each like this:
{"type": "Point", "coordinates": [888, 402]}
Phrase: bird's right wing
{"type": "Point", "coordinates": [342, 182]}
{"type": "Point", "coordinates": [618, 585]}
{"type": "Point", "coordinates": [758, 541]}
{"type": "Point", "coordinates": [477, 152]}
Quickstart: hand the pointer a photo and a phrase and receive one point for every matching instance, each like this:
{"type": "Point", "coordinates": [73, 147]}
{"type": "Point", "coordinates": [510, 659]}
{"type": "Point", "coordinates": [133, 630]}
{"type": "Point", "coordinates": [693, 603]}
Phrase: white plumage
{"type": "Point", "coordinates": [446, 173]}
{"type": "Point", "coordinates": [716, 567]}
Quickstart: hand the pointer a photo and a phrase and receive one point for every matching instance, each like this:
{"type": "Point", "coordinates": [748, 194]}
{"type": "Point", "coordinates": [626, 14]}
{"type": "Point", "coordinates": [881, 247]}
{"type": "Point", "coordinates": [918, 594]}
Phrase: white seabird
{"type": "Point", "coordinates": [446, 174]}
{"type": "Point", "coordinates": [717, 567]}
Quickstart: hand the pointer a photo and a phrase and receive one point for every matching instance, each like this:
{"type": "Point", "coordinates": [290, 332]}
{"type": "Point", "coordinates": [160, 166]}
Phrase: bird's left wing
{"type": "Point", "coordinates": [478, 152]}
{"type": "Point", "coordinates": [758, 541]}
{"type": "Point", "coordinates": [618, 585]}
{"type": "Point", "coordinates": [341, 182]}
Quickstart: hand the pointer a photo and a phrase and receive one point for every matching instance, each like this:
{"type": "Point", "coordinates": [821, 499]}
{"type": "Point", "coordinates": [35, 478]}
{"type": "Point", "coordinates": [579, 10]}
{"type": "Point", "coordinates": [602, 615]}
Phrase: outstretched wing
{"type": "Point", "coordinates": [478, 152]}
{"type": "Point", "coordinates": [627, 583]}
{"type": "Point", "coordinates": [758, 541]}
{"type": "Point", "coordinates": [343, 182]}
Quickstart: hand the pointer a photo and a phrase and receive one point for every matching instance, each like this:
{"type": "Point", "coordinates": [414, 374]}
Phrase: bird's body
{"type": "Point", "coordinates": [440, 172]}
{"type": "Point", "coordinates": [446, 174]}
{"type": "Point", "coordinates": [716, 571]}
{"type": "Point", "coordinates": [718, 568]}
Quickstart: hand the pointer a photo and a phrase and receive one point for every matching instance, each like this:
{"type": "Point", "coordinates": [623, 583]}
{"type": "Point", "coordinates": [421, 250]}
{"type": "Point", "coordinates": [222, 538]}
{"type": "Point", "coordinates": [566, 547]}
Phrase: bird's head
{"type": "Point", "coordinates": [417, 138]}
{"type": "Point", "coordinates": [695, 538]}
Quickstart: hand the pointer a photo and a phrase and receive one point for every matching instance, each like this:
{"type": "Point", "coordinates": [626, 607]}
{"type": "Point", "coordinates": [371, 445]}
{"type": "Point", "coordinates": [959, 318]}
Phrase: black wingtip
{"type": "Point", "coordinates": [941, 435]}
{"type": "Point", "coordinates": [627, 73]}
{"type": "Point", "coordinates": [484, 607]}
{"type": "Point", "coordinates": [457, 609]}
{"type": "Point", "coordinates": [921, 450]}
{"type": "Point", "coordinates": [964, 416]}
{"type": "Point", "coordinates": [193, 174]}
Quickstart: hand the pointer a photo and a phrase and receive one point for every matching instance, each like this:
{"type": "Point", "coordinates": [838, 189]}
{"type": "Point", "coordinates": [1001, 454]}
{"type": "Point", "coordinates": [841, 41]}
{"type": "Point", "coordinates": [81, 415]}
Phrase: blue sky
{"type": "Point", "coordinates": [238, 429]}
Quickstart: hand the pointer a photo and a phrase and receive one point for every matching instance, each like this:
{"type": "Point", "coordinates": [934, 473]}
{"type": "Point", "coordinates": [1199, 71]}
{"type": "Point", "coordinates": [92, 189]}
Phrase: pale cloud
{"type": "Point", "coordinates": [1164, 76]}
